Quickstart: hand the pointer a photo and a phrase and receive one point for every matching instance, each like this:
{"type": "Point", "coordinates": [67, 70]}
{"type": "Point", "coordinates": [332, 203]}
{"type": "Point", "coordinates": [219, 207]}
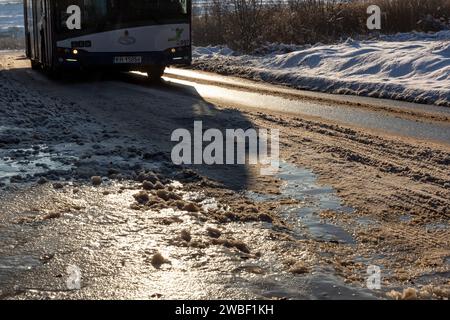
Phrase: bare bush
{"type": "Point", "coordinates": [11, 43]}
{"type": "Point", "coordinates": [239, 23]}
{"type": "Point", "coordinates": [244, 24]}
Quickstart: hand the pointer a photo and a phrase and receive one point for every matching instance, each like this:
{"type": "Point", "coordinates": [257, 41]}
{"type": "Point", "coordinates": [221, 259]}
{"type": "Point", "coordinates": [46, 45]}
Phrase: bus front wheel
{"type": "Point", "coordinates": [35, 65]}
{"type": "Point", "coordinates": [155, 73]}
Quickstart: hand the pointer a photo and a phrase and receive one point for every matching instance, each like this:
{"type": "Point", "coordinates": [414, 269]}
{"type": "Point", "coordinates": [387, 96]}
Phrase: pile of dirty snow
{"type": "Point", "coordinates": [413, 67]}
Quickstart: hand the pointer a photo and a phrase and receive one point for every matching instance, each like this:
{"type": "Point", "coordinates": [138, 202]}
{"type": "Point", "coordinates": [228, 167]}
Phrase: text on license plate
{"type": "Point", "coordinates": [134, 59]}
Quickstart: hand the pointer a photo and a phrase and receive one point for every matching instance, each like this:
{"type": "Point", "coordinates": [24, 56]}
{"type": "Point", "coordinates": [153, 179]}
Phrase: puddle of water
{"type": "Point", "coordinates": [304, 218]}
{"type": "Point", "coordinates": [405, 218]}
{"type": "Point", "coordinates": [324, 285]}
{"type": "Point", "coordinates": [28, 162]}
{"type": "Point", "coordinates": [259, 197]}
{"type": "Point", "coordinates": [11, 130]}
{"type": "Point", "coordinates": [433, 277]}
{"type": "Point", "coordinates": [91, 155]}
{"type": "Point", "coordinates": [25, 163]}
{"type": "Point", "coordinates": [6, 128]}
{"type": "Point", "coordinates": [18, 263]}
{"type": "Point", "coordinates": [10, 265]}
{"type": "Point", "coordinates": [329, 233]}
{"type": "Point", "coordinates": [301, 184]}
{"type": "Point", "coordinates": [437, 226]}
{"type": "Point", "coordinates": [365, 221]}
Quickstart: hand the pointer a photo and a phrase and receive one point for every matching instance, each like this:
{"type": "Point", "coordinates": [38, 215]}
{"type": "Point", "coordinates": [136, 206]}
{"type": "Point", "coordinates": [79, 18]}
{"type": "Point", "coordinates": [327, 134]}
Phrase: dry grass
{"type": "Point", "coordinates": [244, 24]}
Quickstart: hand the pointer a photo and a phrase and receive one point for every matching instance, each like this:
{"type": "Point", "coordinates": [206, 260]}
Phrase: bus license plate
{"type": "Point", "coordinates": [134, 59]}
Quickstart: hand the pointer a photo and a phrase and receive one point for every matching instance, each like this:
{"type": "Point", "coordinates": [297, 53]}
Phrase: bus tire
{"type": "Point", "coordinates": [155, 73]}
{"type": "Point", "coordinates": [35, 65]}
{"type": "Point", "coordinates": [54, 73]}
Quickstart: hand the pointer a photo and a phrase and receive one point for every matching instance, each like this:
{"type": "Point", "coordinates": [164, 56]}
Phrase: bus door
{"type": "Point", "coordinates": [34, 32]}
{"type": "Point", "coordinates": [49, 43]}
{"type": "Point", "coordinates": [44, 32]}
{"type": "Point", "coordinates": [27, 29]}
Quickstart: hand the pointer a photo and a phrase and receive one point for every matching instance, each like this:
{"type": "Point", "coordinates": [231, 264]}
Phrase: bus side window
{"type": "Point", "coordinates": [184, 6]}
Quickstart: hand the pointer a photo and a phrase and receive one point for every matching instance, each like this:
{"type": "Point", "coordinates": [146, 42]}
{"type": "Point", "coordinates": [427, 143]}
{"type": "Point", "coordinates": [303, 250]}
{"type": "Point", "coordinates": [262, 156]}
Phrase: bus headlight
{"type": "Point", "coordinates": [75, 51]}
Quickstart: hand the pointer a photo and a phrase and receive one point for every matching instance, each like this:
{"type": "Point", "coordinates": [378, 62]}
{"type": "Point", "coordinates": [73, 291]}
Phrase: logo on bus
{"type": "Point", "coordinates": [126, 39]}
{"type": "Point", "coordinates": [178, 33]}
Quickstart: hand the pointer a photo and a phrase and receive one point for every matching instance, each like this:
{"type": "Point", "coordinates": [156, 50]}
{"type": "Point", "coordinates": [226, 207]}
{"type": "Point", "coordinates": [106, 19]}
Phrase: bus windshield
{"type": "Point", "coordinates": [102, 15]}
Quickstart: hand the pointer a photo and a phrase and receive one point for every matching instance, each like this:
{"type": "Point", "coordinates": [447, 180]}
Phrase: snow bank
{"type": "Point", "coordinates": [412, 67]}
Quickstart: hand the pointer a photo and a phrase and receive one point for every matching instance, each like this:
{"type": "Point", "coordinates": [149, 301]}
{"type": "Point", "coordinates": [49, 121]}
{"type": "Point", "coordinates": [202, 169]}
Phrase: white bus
{"type": "Point", "coordinates": [123, 35]}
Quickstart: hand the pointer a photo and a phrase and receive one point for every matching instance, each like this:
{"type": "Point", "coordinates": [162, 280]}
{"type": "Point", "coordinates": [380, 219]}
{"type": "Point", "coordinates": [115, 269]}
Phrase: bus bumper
{"type": "Point", "coordinates": [80, 59]}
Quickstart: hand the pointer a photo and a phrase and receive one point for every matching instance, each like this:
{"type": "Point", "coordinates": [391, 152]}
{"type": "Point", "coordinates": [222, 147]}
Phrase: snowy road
{"type": "Point", "coordinates": [383, 116]}
{"type": "Point", "coordinates": [362, 182]}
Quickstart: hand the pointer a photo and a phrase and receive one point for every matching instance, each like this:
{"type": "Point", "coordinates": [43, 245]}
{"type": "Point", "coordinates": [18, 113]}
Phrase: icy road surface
{"type": "Point", "coordinates": [92, 207]}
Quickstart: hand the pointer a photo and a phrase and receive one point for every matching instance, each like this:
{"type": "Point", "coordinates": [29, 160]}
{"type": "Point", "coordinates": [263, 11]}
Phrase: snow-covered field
{"type": "Point", "coordinates": [412, 66]}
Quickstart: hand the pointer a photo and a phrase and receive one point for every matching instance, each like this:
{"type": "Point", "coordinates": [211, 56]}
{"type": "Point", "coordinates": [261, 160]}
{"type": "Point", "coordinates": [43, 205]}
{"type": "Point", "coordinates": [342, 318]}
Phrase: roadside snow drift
{"type": "Point", "coordinates": [413, 67]}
